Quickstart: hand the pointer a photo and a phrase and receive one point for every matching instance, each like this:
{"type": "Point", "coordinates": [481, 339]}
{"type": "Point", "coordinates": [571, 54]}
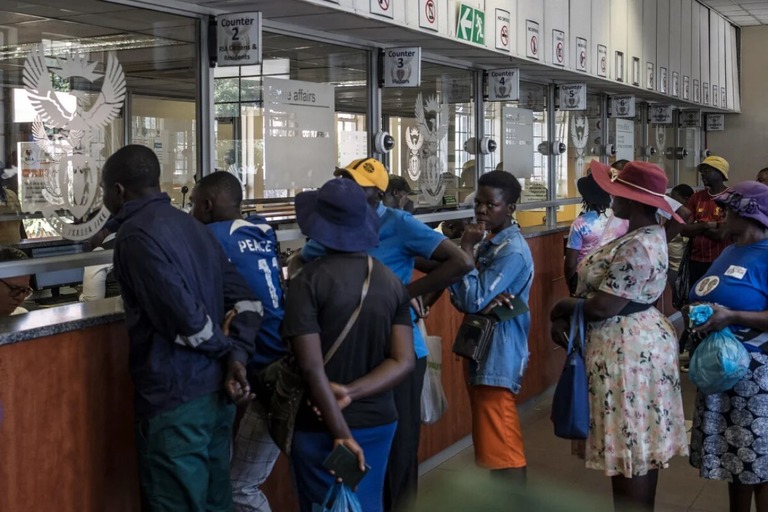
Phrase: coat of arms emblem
{"type": "Point", "coordinates": [72, 183]}
{"type": "Point", "coordinates": [433, 131]}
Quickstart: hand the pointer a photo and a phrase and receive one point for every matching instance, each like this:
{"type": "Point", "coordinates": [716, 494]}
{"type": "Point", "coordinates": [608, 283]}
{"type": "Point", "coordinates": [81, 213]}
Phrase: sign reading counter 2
{"type": "Point", "coordinates": [238, 39]}
{"type": "Point", "coordinates": [402, 67]}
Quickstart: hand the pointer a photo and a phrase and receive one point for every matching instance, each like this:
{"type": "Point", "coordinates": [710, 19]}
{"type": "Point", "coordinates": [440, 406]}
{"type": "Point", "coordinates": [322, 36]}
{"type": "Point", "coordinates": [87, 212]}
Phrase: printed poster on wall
{"type": "Point", "coordinates": [625, 139]}
{"type": "Point", "coordinates": [602, 60]}
{"type": "Point", "coordinates": [517, 145]}
{"type": "Point", "coordinates": [532, 36]}
{"type": "Point", "coordinates": [299, 133]}
{"type": "Point", "coordinates": [581, 54]}
{"type": "Point", "coordinates": [382, 8]}
{"type": "Point", "coordinates": [502, 30]}
{"type": "Point", "coordinates": [558, 48]}
{"type": "Point", "coordinates": [428, 14]}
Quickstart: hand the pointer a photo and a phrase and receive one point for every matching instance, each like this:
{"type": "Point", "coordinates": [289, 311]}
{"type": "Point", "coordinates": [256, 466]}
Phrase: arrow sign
{"type": "Point", "coordinates": [465, 23]}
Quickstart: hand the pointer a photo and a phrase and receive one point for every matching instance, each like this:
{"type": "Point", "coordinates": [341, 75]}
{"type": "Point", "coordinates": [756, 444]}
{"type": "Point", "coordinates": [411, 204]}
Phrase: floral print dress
{"type": "Point", "coordinates": [636, 408]}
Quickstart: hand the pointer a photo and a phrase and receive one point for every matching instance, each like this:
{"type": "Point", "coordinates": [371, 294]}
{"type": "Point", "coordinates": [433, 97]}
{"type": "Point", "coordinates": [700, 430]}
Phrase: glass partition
{"type": "Point", "coordinates": [434, 128]}
{"type": "Point", "coordinates": [581, 132]}
{"type": "Point", "coordinates": [278, 145]}
{"type": "Point", "coordinates": [66, 82]}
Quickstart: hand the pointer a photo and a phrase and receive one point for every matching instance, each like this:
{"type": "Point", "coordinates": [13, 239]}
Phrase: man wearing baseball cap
{"type": "Point", "coordinates": [403, 239]}
{"type": "Point", "coordinates": [705, 229]}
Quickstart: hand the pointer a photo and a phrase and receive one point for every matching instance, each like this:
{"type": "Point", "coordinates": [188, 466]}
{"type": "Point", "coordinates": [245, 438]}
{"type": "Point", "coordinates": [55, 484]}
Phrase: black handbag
{"type": "Point", "coordinates": [474, 337]}
{"type": "Point", "coordinates": [682, 285]}
{"type": "Point", "coordinates": [280, 386]}
{"type": "Point", "coordinates": [476, 331]}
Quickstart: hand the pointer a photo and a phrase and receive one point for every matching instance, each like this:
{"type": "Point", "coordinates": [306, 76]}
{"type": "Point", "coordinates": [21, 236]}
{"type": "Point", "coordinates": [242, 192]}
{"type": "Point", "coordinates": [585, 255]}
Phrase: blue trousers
{"type": "Point", "coordinates": [309, 450]}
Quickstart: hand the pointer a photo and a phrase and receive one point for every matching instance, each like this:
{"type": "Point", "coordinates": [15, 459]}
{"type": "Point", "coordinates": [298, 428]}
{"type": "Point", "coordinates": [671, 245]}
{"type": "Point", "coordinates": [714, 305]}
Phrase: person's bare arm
{"type": "Point", "coordinates": [600, 306]}
{"type": "Point", "coordinates": [571, 262]}
{"type": "Point", "coordinates": [673, 228]}
{"type": "Point", "coordinates": [386, 375]}
{"type": "Point", "coordinates": [309, 357]}
{"type": "Point", "coordinates": [454, 264]}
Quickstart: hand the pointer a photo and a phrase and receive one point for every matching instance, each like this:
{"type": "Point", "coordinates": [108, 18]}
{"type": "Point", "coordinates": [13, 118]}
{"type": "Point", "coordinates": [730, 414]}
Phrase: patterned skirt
{"type": "Point", "coordinates": [729, 440]}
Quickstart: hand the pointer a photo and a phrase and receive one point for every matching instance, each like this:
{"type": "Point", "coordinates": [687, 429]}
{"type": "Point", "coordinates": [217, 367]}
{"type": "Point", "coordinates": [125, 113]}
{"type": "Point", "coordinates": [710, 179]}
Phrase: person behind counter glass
{"type": "Point", "coordinates": [14, 290]}
{"type": "Point", "coordinates": [504, 270]}
{"type": "Point", "coordinates": [99, 281]}
{"type": "Point", "coordinates": [251, 246]}
{"type": "Point", "coordinates": [403, 240]}
{"type": "Point", "coordinates": [635, 402]}
{"type": "Point", "coordinates": [192, 323]}
{"type": "Point", "coordinates": [396, 195]}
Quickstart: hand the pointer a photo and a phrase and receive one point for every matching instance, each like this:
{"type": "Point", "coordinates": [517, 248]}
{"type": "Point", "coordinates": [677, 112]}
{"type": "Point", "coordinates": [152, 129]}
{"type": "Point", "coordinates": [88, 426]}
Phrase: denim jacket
{"type": "Point", "coordinates": [503, 264]}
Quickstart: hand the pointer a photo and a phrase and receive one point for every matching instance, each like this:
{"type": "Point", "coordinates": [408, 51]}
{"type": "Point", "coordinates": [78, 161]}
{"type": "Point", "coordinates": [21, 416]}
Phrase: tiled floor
{"type": "Point", "coordinates": [560, 479]}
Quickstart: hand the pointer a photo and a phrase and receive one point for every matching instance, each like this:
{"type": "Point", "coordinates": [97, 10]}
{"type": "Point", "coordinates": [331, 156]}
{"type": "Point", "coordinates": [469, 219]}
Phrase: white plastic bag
{"type": "Point", "coordinates": [433, 401]}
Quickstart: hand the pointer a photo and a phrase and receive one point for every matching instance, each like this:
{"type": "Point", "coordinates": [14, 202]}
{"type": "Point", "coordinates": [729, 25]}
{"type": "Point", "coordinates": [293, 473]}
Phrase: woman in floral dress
{"type": "Point", "coordinates": [636, 410]}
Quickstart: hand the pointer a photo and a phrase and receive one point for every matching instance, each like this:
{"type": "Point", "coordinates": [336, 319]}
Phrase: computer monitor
{"type": "Point", "coordinates": [57, 278]}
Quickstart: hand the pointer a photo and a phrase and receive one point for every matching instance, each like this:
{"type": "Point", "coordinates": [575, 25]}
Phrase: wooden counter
{"type": "Point", "coordinates": [66, 402]}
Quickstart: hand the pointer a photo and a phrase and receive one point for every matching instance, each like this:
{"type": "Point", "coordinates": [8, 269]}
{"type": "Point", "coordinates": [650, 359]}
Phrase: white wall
{"type": "Point", "coordinates": [743, 143]}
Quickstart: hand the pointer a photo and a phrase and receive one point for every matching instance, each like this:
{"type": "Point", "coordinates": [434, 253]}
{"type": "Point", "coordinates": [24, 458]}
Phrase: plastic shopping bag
{"type": "Point", "coordinates": [720, 361]}
{"type": "Point", "coordinates": [433, 401]}
{"type": "Point", "coordinates": [339, 498]}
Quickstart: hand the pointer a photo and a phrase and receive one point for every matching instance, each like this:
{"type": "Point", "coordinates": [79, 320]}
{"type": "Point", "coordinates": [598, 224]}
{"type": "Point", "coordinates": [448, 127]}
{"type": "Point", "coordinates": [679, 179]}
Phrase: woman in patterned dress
{"type": "Point", "coordinates": [636, 410]}
{"type": "Point", "coordinates": [729, 439]}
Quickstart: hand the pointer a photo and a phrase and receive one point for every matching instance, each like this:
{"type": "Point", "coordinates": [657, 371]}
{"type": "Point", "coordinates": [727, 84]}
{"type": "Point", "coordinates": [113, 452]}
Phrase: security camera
{"type": "Point", "coordinates": [487, 145]}
{"type": "Point", "coordinates": [383, 142]}
{"type": "Point", "coordinates": [558, 148]}
{"type": "Point", "coordinates": [470, 146]}
{"type": "Point", "coordinates": [705, 153]}
{"type": "Point", "coordinates": [609, 149]}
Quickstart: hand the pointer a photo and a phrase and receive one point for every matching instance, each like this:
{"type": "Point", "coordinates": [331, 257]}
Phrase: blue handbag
{"type": "Point", "coordinates": [339, 498]}
{"type": "Point", "coordinates": [570, 404]}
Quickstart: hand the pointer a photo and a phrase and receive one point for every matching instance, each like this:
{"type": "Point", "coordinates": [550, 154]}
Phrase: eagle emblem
{"type": "Point", "coordinates": [72, 182]}
{"type": "Point", "coordinates": [433, 130]}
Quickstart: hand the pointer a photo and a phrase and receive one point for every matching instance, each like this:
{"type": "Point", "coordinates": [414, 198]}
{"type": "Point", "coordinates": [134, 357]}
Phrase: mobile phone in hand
{"type": "Point", "coordinates": [345, 466]}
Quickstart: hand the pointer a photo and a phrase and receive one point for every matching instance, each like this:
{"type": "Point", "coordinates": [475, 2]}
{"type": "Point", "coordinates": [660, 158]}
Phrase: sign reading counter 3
{"type": "Point", "coordinates": [238, 39]}
{"type": "Point", "coordinates": [402, 67]}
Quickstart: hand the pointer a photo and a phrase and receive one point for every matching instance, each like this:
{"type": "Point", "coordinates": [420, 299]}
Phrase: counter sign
{"type": "Point", "coordinates": [402, 67]}
{"type": "Point", "coordinates": [238, 39]}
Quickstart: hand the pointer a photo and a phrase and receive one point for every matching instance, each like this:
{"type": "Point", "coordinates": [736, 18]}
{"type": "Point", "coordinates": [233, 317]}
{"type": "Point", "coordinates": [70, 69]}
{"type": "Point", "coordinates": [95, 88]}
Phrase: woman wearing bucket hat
{"type": "Point", "coordinates": [636, 407]}
{"type": "Point", "coordinates": [375, 354]}
{"type": "Point", "coordinates": [728, 439]}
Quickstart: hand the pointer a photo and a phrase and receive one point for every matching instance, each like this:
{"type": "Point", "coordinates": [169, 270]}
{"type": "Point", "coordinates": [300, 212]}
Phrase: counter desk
{"type": "Point", "coordinates": [66, 398]}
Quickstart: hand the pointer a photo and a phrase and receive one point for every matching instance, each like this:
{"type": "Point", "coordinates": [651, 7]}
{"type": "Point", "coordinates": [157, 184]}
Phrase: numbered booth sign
{"type": "Point", "coordinates": [238, 39]}
{"type": "Point", "coordinates": [402, 67]}
{"type": "Point", "coordinates": [504, 84]}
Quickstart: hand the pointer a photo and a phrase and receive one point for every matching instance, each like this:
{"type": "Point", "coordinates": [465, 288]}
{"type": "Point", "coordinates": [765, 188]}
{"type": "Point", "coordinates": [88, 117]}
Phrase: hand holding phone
{"type": "Point", "coordinates": [345, 465]}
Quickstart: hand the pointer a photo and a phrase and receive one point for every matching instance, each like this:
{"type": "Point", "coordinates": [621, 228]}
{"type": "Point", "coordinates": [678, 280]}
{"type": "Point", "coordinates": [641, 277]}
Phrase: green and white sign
{"type": "Point", "coordinates": [470, 25]}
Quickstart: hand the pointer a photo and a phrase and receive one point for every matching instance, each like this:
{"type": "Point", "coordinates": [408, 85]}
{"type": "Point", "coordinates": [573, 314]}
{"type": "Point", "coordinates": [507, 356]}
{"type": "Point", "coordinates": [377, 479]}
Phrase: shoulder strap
{"type": "Point", "coordinates": [352, 319]}
{"type": "Point", "coordinates": [577, 324]}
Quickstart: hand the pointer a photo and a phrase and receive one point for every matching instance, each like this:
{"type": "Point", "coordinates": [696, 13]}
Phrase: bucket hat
{"type": "Point", "coordinates": [719, 163]}
{"type": "Point", "coordinates": [338, 217]}
{"type": "Point", "coordinates": [637, 181]}
{"type": "Point", "coordinates": [749, 199]}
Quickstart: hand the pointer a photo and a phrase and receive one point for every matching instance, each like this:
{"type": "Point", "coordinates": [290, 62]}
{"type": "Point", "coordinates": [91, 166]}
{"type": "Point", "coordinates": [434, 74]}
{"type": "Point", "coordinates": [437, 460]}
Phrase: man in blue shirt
{"type": "Point", "coordinates": [402, 240]}
{"type": "Point", "coordinates": [192, 324]}
{"type": "Point", "coordinates": [251, 246]}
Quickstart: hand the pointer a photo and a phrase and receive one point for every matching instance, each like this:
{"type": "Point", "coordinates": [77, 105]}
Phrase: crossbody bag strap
{"type": "Point", "coordinates": [352, 319]}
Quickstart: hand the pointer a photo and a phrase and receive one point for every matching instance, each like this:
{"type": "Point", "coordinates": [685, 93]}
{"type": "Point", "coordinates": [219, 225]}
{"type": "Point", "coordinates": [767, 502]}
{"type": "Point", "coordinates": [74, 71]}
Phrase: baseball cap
{"type": "Point", "coordinates": [719, 163]}
{"type": "Point", "coordinates": [367, 172]}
